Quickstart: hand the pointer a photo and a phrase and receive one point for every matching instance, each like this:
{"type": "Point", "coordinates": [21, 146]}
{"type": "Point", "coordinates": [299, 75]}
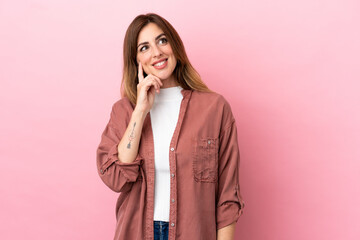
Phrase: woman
{"type": "Point", "coordinates": [170, 147]}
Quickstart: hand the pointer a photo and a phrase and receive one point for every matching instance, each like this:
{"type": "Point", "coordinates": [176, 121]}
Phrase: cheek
{"type": "Point", "coordinates": [173, 61]}
{"type": "Point", "coordinates": [167, 50]}
{"type": "Point", "coordinates": [146, 60]}
{"type": "Point", "coordinates": [143, 58]}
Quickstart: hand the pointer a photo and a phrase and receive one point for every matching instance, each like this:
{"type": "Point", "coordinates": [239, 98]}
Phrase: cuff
{"type": "Point", "coordinates": [129, 170]}
{"type": "Point", "coordinates": [227, 214]}
{"type": "Point", "coordinates": [230, 212]}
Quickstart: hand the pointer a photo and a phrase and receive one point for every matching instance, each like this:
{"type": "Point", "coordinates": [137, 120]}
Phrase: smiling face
{"type": "Point", "coordinates": [155, 54]}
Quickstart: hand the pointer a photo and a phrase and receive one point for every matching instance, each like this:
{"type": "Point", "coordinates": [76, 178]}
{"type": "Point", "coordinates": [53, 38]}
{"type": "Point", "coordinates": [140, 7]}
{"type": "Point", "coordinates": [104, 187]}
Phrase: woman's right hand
{"type": "Point", "coordinates": [146, 90]}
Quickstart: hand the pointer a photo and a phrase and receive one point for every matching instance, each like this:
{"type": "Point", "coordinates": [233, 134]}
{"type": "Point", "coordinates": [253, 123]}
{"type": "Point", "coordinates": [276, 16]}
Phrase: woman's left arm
{"type": "Point", "coordinates": [226, 233]}
{"type": "Point", "coordinates": [229, 203]}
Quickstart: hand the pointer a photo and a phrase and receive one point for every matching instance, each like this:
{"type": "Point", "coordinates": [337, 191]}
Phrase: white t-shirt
{"type": "Point", "coordinates": [164, 116]}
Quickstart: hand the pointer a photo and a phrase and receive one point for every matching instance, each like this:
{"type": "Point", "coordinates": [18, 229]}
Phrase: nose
{"type": "Point", "coordinates": [156, 51]}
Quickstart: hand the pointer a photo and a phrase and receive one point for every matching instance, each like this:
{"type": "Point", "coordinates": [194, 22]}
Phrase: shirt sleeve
{"type": "Point", "coordinates": [118, 176]}
{"type": "Point", "coordinates": [229, 201]}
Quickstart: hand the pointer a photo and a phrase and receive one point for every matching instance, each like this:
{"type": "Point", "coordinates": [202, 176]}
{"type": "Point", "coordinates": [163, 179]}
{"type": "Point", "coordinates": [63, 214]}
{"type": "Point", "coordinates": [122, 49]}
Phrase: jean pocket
{"type": "Point", "coordinates": [205, 159]}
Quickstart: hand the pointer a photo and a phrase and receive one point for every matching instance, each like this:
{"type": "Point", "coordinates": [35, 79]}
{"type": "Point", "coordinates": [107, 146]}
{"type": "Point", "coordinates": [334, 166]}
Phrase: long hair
{"type": "Point", "coordinates": [184, 72]}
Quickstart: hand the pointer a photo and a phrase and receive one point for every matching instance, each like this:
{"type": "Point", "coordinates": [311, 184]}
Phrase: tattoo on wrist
{"type": "Point", "coordinates": [131, 136]}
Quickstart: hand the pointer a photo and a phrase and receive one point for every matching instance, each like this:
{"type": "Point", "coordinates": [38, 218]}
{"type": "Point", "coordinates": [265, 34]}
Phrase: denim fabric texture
{"type": "Point", "coordinates": [161, 230]}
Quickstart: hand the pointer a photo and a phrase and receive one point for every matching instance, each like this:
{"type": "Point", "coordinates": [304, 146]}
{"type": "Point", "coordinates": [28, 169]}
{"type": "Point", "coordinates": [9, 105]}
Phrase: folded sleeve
{"type": "Point", "coordinates": [229, 201]}
{"type": "Point", "coordinates": [117, 175]}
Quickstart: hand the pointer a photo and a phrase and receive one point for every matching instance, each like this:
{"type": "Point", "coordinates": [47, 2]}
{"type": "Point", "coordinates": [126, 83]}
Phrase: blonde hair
{"type": "Point", "coordinates": [184, 72]}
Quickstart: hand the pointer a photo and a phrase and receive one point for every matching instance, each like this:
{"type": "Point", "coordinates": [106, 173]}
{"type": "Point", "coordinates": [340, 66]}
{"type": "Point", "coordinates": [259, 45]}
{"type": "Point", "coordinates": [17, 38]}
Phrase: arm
{"type": "Point", "coordinates": [119, 175]}
{"type": "Point", "coordinates": [229, 201]}
{"type": "Point", "coordinates": [120, 139]}
{"type": "Point", "coordinates": [129, 145]}
{"type": "Point", "coordinates": [226, 233]}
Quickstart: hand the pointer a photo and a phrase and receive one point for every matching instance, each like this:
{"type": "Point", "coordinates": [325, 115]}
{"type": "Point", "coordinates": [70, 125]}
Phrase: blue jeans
{"type": "Point", "coordinates": [161, 230]}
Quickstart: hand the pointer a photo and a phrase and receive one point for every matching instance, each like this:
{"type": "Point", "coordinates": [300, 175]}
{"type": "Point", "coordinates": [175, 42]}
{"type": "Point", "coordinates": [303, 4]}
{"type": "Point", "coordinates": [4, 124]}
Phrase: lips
{"type": "Point", "coordinates": [159, 61]}
{"type": "Point", "coordinates": [162, 64]}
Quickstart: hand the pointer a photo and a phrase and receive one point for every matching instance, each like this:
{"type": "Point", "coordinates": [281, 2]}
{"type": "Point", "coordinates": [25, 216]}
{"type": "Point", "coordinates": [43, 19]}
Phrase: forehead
{"type": "Point", "coordinates": [149, 33]}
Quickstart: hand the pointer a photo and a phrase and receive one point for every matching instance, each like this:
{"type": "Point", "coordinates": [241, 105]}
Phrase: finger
{"type": "Point", "coordinates": [149, 81]}
{"type": "Point", "coordinates": [157, 87]}
{"type": "Point", "coordinates": [146, 84]}
{"type": "Point", "coordinates": [157, 79]}
{"type": "Point", "coordinates": [140, 73]}
{"type": "Point", "coordinates": [151, 85]}
{"type": "Point", "coordinates": [155, 83]}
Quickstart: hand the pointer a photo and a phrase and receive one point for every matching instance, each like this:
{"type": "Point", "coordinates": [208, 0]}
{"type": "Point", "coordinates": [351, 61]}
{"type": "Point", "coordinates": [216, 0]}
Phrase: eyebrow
{"type": "Point", "coordinates": [155, 39]}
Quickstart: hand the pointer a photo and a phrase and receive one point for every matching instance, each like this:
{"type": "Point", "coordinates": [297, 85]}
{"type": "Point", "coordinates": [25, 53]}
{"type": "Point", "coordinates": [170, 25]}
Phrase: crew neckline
{"type": "Point", "coordinates": [169, 94]}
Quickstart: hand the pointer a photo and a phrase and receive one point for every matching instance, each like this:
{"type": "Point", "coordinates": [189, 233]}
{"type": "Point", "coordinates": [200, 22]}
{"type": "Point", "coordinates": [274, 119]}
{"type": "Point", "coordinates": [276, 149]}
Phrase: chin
{"type": "Point", "coordinates": [162, 76]}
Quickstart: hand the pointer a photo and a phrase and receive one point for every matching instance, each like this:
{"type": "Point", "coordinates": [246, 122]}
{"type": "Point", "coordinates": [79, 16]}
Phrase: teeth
{"type": "Point", "coordinates": [160, 63]}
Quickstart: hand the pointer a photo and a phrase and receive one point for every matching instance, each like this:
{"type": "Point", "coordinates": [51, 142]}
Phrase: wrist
{"type": "Point", "coordinates": [139, 113]}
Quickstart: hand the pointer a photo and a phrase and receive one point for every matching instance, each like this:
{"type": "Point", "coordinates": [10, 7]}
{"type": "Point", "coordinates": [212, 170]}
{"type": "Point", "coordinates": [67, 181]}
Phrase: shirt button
{"type": "Point", "coordinates": [172, 200]}
{"type": "Point", "coordinates": [172, 149]}
{"type": "Point", "coordinates": [172, 175]}
{"type": "Point", "coordinates": [209, 142]}
{"type": "Point", "coordinates": [172, 224]}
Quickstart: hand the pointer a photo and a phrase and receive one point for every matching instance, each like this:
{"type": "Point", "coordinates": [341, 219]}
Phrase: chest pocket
{"type": "Point", "coordinates": [205, 159]}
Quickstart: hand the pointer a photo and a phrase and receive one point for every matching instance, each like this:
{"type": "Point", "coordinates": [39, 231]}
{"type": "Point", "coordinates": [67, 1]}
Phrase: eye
{"type": "Point", "coordinates": [143, 48]}
{"type": "Point", "coordinates": [163, 40]}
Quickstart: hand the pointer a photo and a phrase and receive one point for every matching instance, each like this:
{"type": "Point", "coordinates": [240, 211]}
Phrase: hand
{"type": "Point", "coordinates": [146, 90]}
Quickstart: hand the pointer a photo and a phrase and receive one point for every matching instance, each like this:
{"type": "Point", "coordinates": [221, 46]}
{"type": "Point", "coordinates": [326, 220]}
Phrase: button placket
{"type": "Point", "coordinates": [173, 207]}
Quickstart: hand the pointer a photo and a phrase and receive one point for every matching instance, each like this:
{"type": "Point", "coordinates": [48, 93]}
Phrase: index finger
{"type": "Point", "coordinates": [140, 72]}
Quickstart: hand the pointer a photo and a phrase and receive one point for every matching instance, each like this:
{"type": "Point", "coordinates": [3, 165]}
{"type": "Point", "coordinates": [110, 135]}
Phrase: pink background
{"type": "Point", "coordinates": [290, 70]}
